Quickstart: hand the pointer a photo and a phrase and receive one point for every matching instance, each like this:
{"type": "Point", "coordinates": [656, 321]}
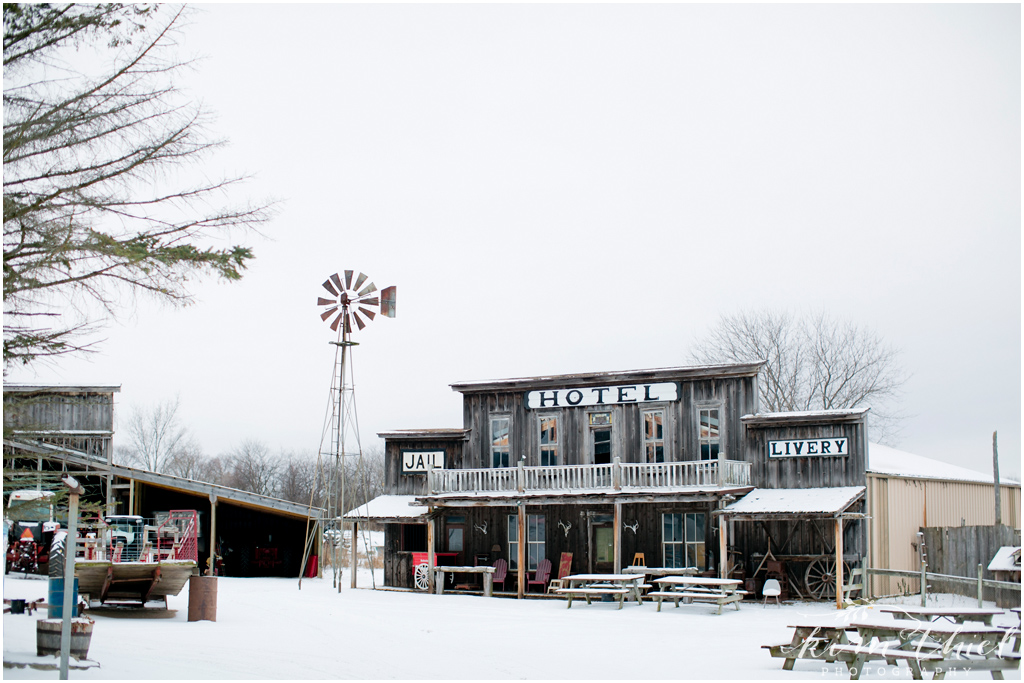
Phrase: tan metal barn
{"type": "Point", "coordinates": [906, 492]}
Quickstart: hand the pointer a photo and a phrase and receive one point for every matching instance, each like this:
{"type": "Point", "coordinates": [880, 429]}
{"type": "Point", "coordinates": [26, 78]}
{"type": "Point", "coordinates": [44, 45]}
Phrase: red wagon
{"type": "Point", "coordinates": [421, 567]}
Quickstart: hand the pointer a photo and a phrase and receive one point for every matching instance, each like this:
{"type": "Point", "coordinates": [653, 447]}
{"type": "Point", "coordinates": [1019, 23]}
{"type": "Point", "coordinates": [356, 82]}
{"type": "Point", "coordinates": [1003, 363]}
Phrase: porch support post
{"type": "Point", "coordinates": [617, 538]}
{"type": "Point", "coordinates": [430, 550]}
{"type": "Point", "coordinates": [213, 533]}
{"type": "Point", "coordinates": [521, 576]}
{"type": "Point", "coordinates": [723, 548]}
{"type": "Point", "coordinates": [352, 562]}
{"type": "Point", "coordinates": [839, 562]}
{"type": "Point", "coordinates": [131, 496]}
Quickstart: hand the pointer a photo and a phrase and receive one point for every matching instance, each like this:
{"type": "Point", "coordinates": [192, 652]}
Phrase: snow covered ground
{"type": "Point", "coordinates": [269, 629]}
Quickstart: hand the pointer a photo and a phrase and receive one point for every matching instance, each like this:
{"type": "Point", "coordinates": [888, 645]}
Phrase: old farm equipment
{"type": "Point", "coordinates": [353, 301]}
{"type": "Point", "coordinates": [31, 530]}
{"type": "Point", "coordinates": [806, 575]}
{"type": "Point", "coordinates": [131, 561]}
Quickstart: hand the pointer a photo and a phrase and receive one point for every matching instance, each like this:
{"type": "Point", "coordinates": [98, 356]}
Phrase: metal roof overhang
{"type": "Point", "coordinates": [507, 499]}
{"type": "Point", "coordinates": [166, 481]}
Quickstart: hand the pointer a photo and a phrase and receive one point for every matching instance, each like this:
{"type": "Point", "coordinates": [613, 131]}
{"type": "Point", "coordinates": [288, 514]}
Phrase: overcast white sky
{"type": "Point", "coordinates": [573, 188]}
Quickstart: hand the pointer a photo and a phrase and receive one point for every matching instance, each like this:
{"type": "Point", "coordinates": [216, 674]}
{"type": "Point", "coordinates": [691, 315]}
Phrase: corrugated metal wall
{"type": "Point", "coordinates": [900, 506]}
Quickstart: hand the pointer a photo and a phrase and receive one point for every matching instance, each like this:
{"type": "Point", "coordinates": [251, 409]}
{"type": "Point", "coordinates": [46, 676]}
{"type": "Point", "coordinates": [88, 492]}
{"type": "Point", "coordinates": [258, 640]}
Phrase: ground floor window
{"type": "Point", "coordinates": [683, 539]}
{"type": "Point", "coordinates": [535, 535]}
{"type": "Point", "coordinates": [413, 537]}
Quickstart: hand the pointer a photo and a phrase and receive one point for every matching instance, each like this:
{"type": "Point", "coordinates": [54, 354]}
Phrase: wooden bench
{"type": "Point", "coordinates": [716, 597]}
{"type": "Point", "coordinates": [593, 592]}
{"type": "Point", "coordinates": [856, 656]}
{"type": "Point", "coordinates": [486, 572]}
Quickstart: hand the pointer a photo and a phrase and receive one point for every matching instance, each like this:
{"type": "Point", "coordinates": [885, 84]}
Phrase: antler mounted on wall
{"type": "Point", "coordinates": [482, 528]}
{"type": "Point", "coordinates": [565, 527]}
{"type": "Point", "coordinates": [632, 527]}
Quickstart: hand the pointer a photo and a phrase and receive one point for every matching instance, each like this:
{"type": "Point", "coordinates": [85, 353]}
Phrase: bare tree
{"type": "Point", "coordinates": [155, 436]}
{"type": "Point", "coordinates": [254, 468]}
{"type": "Point", "coordinates": [188, 460]}
{"type": "Point", "coordinates": [813, 362]}
{"type": "Point", "coordinates": [298, 480]}
{"type": "Point", "coordinates": [94, 204]}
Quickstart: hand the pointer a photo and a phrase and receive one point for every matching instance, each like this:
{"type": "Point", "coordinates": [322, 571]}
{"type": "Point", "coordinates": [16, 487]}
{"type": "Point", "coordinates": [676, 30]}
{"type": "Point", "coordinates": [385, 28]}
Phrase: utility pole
{"type": "Point", "coordinates": [995, 479]}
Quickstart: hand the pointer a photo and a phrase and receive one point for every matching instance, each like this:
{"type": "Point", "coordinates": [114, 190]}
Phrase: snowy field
{"type": "Point", "coordinates": [269, 629]}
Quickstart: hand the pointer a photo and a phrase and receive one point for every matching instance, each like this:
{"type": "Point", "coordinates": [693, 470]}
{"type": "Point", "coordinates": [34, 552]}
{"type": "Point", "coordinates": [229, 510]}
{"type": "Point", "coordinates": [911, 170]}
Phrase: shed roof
{"type": "Point", "coordinates": [805, 417]}
{"type": "Point", "coordinates": [767, 503]}
{"type": "Point", "coordinates": [616, 377]}
{"type": "Point", "coordinates": [891, 461]}
{"type": "Point", "coordinates": [1007, 559]}
{"type": "Point", "coordinates": [391, 507]}
{"type": "Point", "coordinates": [425, 434]}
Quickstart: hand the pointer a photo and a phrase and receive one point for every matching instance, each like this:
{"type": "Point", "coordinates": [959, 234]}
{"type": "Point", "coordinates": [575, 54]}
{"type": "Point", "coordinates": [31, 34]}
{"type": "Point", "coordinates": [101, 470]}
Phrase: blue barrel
{"type": "Point", "coordinates": [55, 599]}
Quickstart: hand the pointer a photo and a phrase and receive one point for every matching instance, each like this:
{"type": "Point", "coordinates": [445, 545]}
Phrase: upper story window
{"type": "Point", "coordinates": [710, 433]}
{"type": "Point", "coordinates": [499, 441]}
{"type": "Point", "coordinates": [654, 435]}
{"type": "Point", "coordinates": [549, 436]}
{"type": "Point", "coordinates": [601, 437]}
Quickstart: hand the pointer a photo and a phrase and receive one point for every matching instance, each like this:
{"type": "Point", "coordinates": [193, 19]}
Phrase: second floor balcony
{"type": "Point", "coordinates": [614, 476]}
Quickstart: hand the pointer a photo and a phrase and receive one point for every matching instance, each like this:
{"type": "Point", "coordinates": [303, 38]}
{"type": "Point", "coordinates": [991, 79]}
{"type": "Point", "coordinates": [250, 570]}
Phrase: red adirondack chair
{"type": "Point", "coordinates": [500, 572]}
{"type": "Point", "coordinates": [564, 569]}
{"type": "Point", "coordinates": [540, 577]}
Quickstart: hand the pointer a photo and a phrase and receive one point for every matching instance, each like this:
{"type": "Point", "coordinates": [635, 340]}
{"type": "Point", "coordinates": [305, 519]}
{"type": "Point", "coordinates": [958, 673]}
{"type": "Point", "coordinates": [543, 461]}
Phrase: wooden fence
{"type": "Point", "coordinates": [957, 552]}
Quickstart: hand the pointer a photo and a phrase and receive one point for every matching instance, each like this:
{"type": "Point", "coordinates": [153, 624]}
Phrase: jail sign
{"type": "Point", "coordinates": [801, 448]}
{"type": "Point", "coordinates": [416, 462]}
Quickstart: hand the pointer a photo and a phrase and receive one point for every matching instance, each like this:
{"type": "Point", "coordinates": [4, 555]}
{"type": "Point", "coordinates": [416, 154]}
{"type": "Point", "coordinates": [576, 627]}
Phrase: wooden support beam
{"type": "Point", "coordinates": [148, 590]}
{"type": "Point", "coordinates": [107, 581]}
{"type": "Point", "coordinates": [212, 570]}
{"type": "Point", "coordinates": [352, 562]}
{"type": "Point", "coordinates": [430, 552]}
{"type": "Point", "coordinates": [839, 563]}
{"type": "Point", "coordinates": [617, 539]}
{"type": "Point", "coordinates": [521, 559]}
{"type": "Point", "coordinates": [723, 548]}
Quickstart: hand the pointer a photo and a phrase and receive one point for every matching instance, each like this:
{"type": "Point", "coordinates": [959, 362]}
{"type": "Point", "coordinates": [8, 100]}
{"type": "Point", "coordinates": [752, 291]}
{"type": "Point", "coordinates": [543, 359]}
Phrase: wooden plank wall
{"type": "Point", "coordinates": [416, 484]}
{"type": "Point", "coordinates": [808, 472]}
{"type": "Point", "coordinates": [957, 551]}
{"type": "Point", "coordinates": [734, 396]}
{"type": "Point", "coordinates": [64, 411]}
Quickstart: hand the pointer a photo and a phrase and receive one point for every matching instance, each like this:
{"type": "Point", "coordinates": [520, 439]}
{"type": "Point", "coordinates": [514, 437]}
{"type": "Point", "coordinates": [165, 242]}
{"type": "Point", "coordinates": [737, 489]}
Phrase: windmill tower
{"type": "Point", "coordinates": [351, 301]}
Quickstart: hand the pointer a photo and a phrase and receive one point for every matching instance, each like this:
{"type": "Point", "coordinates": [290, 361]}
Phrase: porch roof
{"type": "Point", "coordinates": [794, 503]}
{"type": "Point", "coordinates": [392, 508]}
{"type": "Point", "coordinates": [627, 494]}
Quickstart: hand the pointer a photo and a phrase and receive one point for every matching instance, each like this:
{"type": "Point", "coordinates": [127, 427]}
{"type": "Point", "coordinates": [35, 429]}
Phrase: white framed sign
{"type": "Point", "coordinates": [801, 448]}
{"type": "Point", "coordinates": [600, 396]}
{"type": "Point", "coordinates": [417, 462]}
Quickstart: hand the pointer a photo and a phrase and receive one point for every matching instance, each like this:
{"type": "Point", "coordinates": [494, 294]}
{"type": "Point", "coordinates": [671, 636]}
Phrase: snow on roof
{"type": "Point", "coordinates": [388, 507]}
{"type": "Point", "coordinates": [796, 501]}
{"type": "Point", "coordinates": [886, 460]}
{"type": "Point", "coordinates": [1007, 559]}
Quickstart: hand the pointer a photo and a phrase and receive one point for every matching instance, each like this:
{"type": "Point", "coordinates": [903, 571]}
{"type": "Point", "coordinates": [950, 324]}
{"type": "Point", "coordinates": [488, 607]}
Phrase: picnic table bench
{"type": "Point", "coordinates": [486, 572]}
{"type": "Point", "coordinates": [957, 615]}
{"type": "Point", "coordinates": [589, 586]}
{"type": "Point", "coordinates": [703, 589]}
{"type": "Point", "coordinates": [811, 641]}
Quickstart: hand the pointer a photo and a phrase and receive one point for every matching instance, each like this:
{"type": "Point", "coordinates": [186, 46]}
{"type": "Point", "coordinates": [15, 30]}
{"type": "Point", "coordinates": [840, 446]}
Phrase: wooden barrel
{"type": "Point", "coordinates": [202, 598]}
{"type": "Point", "coordinates": [48, 637]}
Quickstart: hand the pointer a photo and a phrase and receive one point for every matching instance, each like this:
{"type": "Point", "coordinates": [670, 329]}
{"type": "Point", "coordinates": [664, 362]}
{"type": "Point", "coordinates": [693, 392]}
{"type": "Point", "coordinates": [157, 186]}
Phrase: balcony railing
{"type": "Point", "coordinates": [616, 476]}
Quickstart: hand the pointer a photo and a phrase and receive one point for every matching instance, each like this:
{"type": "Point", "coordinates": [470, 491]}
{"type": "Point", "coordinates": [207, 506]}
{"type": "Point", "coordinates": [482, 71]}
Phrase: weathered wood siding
{"type": "Point", "coordinates": [63, 411]}
{"type": "Point", "coordinates": [810, 471]}
{"type": "Point", "coordinates": [734, 396]}
{"type": "Point", "coordinates": [416, 484]}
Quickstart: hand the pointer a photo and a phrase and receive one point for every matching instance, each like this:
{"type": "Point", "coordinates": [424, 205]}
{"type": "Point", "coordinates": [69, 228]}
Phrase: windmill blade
{"type": "Point", "coordinates": [337, 282]}
{"type": "Point", "coordinates": [387, 301]}
{"type": "Point", "coordinates": [320, 301]}
{"type": "Point", "coordinates": [329, 287]}
{"type": "Point", "coordinates": [368, 289]}
{"type": "Point", "coordinates": [359, 281]}
{"type": "Point", "coordinates": [359, 321]}
{"type": "Point", "coordinates": [328, 313]}
{"type": "Point", "coordinates": [334, 325]}
{"type": "Point", "coordinates": [369, 301]}
{"type": "Point", "coordinates": [348, 279]}
{"type": "Point", "coordinates": [367, 312]}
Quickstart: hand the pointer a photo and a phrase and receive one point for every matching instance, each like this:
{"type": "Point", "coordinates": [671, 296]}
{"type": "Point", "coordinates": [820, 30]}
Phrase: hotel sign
{"type": "Point", "coordinates": [800, 448]}
{"type": "Point", "coordinates": [601, 396]}
{"type": "Point", "coordinates": [416, 462]}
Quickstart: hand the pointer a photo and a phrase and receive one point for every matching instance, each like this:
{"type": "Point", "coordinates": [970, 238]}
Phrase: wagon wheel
{"type": "Point", "coordinates": [421, 577]}
{"type": "Point", "coordinates": [820, 577]}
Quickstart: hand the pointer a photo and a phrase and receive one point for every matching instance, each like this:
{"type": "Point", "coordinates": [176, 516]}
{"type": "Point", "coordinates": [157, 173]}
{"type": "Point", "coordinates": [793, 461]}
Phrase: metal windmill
{"type": "Point", "coordinates": [352, 301]}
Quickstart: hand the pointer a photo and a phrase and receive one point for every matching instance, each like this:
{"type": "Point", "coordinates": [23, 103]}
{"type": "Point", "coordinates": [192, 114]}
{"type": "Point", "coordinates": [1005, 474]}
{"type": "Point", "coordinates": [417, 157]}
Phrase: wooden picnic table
{"type": "Point", "coordinates": [661, 571]}
{"type": "Point", "coordinates": [957, 615]}
{"type": "Point", "coordinates": [700, 588]}
{"type": "Point", "coordinates": [811, 641]}
{"type": "Point", "coordinates": [589, 586]}
{"type": "Point", "coordinates": [486, 572]}
{"type": "Point", "coordinates": [932, 646]}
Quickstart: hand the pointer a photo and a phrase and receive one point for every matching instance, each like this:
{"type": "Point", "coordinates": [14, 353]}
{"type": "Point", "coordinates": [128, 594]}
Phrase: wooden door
{"type": "Point", "coordinates": [602, 548]}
